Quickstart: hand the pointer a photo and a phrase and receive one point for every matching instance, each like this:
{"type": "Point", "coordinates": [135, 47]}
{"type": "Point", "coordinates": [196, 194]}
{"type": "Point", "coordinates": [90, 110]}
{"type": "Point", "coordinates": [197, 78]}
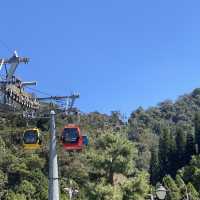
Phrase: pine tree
{"type": "Point", "coordinates": [173, 190]}
{"type": "Point", "coordinates": [165, 152]}
{"type": "Point", "coordinates": [182, 186]}
{"type": "Point", "coordinates": [193, 194]}
{"type": "Point", "coordinates": [180, 148]}
{"type": "Point", "coordinates": [172, 156]}
{"type": "Point", "coordinates": [190, 147]}
{"type": "Point", "coordinates": [154, 166]}
{"type": "Point", "coordinates": [113, 169]}
{"type": "Point", "coordinates": [197, 130]}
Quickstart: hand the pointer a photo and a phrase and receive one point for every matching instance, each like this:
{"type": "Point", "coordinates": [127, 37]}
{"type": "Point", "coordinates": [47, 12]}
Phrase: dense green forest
{"type": "Point", "coordinates": [124, 159]}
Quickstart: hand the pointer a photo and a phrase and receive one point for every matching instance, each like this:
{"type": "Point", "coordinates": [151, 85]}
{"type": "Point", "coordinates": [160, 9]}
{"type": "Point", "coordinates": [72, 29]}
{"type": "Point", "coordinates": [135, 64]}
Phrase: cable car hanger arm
{"type": "Point", "coordinates": [58, 97]}
{"type": "Point", "coordinates": [14, 61]}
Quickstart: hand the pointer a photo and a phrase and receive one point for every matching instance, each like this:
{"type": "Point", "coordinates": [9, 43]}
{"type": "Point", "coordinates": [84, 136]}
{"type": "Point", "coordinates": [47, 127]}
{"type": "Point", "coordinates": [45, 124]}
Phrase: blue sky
{"type": "Point", "coordinates": [118, 54]}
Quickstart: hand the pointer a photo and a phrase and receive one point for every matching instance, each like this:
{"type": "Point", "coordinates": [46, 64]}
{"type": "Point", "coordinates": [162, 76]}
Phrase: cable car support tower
{"type": "Point", "coordinates": [53, 193]}
{"type": "Point", "coordinates": [13, 97]}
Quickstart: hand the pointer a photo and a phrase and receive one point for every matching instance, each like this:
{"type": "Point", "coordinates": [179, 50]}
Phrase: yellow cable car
{"type": "Point", "coordinates": [32, 139]}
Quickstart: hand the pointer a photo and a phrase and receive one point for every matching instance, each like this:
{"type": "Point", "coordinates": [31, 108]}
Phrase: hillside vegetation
{"type": "Point", "coordinates": [124, 160]}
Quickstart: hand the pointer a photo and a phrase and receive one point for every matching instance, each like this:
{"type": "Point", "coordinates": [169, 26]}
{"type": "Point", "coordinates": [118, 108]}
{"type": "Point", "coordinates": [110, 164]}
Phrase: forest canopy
{"type": "Point", "coordinates": [124, 159]}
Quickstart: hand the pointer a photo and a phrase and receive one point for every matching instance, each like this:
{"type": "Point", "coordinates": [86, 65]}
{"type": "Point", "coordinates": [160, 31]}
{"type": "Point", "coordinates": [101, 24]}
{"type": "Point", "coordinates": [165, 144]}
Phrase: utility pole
{"type": "Point", "coordinates": [53, 163]}
{"type": "Point", "coordinates": [53, 193]}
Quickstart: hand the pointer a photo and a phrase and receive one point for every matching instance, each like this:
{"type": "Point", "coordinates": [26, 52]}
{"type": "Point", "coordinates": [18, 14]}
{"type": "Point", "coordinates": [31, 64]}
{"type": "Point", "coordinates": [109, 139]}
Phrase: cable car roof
{"type": "Point", "coordinates": [71, 126]}
{"type": "Point", "coordinates": [32, 129]}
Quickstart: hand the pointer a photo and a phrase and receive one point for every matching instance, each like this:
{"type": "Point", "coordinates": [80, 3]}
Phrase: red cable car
{"type": "Point", "coordinates": [72, 138]}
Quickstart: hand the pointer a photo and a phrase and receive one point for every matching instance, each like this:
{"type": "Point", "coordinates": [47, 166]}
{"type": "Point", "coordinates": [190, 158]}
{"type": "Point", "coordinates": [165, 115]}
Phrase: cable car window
{"type": "Point", "coordinates": [30, 137]}
{"type": "Point", "coordinates": [70, 135]}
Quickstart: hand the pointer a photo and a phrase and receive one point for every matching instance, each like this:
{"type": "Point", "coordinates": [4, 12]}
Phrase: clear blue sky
{"type": "Point", "coordinates": [119, 54]}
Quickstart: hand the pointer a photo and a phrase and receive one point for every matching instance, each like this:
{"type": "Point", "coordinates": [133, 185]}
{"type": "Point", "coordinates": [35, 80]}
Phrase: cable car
{"type": "Point", "coordinates": [32, 139]}
{"type": "Point", "coordinates": [72, 139]}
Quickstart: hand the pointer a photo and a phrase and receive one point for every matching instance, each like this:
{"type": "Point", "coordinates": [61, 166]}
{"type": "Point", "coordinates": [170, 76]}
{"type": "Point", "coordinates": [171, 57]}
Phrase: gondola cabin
{"type": "Point", "coordinates": [32, 139]}
{"type": "Point", "coordinates": [72, 139]}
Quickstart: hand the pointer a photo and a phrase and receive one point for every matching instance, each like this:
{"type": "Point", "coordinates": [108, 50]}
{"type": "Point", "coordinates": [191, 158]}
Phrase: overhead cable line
{"type": "Point", "coordinates": [5, 46]}
{"type": "Point", "coordinates": [39, 91]}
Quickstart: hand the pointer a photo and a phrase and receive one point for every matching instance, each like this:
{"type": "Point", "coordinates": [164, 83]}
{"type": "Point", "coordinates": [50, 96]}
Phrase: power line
{"type": "Point", "coordinates": [39, 91]}
{"type": "Point", "coordinates": [59, 101]}
{"type": "Point", "coordinates": [5, 46]}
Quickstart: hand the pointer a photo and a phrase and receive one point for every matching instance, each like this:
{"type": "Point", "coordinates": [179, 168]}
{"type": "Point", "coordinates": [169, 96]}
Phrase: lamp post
{"type": "Point", "coordinates": [160, 193]}
{"type": "Point", "coordinates": [71, 191]}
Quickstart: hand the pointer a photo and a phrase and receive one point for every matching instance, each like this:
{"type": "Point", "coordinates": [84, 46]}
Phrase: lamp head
{"type": "Point", "coordinates": [161, 192]}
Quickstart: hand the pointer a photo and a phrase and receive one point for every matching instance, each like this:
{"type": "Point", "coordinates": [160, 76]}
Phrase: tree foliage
{"type": "Point", "coordinates": [123, 160]}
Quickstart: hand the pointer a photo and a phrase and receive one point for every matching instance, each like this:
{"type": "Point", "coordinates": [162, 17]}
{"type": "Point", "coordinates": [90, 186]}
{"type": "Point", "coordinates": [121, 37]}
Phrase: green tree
{"type": "Point", "coordinates": [104, 191]}
{"type": "Point", "coordinates": [173, 191]}
{"type": "Point", "coordinates": [38, 179]}
{"type": "Point", "coordinates": [190, 147]}
{"type": "Point", "coordinates": [180, 148]}
{"type": "Point", "coordinates": [193, 194]}
{"type": "Point", "coordinates": [34, 162]}
{"type": "Point", "coordinates": [172, 156]}
{"type": "Point", "coordinates": [191, 172]}
{"type": "Point", "coordinates": [113, 154]}
{"type": "Point", "coordinates": [182, 186]}
{"type": "Point", "coordinates": [113, 172]}
{"type": "Point", "coordinates": [14, 196]}
{"type": "Point", "coordinates": [165, 152]}
{"type": "Point", "coordinates": [154, 167]}
{"type": "Point", "coordinates": [3, 182]}
{"type": "Point", "coordinates": [136, 188]}
{"type": "Point", "coordinates": [27, 189]}
{"type": "Point", "coordinates": [197, 130]}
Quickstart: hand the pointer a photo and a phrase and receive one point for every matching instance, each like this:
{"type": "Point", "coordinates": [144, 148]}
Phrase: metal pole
{"type": "Point", "coordinates": [53, 164]}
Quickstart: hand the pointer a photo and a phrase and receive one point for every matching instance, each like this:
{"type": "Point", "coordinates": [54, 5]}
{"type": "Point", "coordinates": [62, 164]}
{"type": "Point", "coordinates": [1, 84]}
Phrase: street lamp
{"type": "Point", "coordinates": [161, 192]}
{"type": "Point", "coordinates": [72, 192]}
